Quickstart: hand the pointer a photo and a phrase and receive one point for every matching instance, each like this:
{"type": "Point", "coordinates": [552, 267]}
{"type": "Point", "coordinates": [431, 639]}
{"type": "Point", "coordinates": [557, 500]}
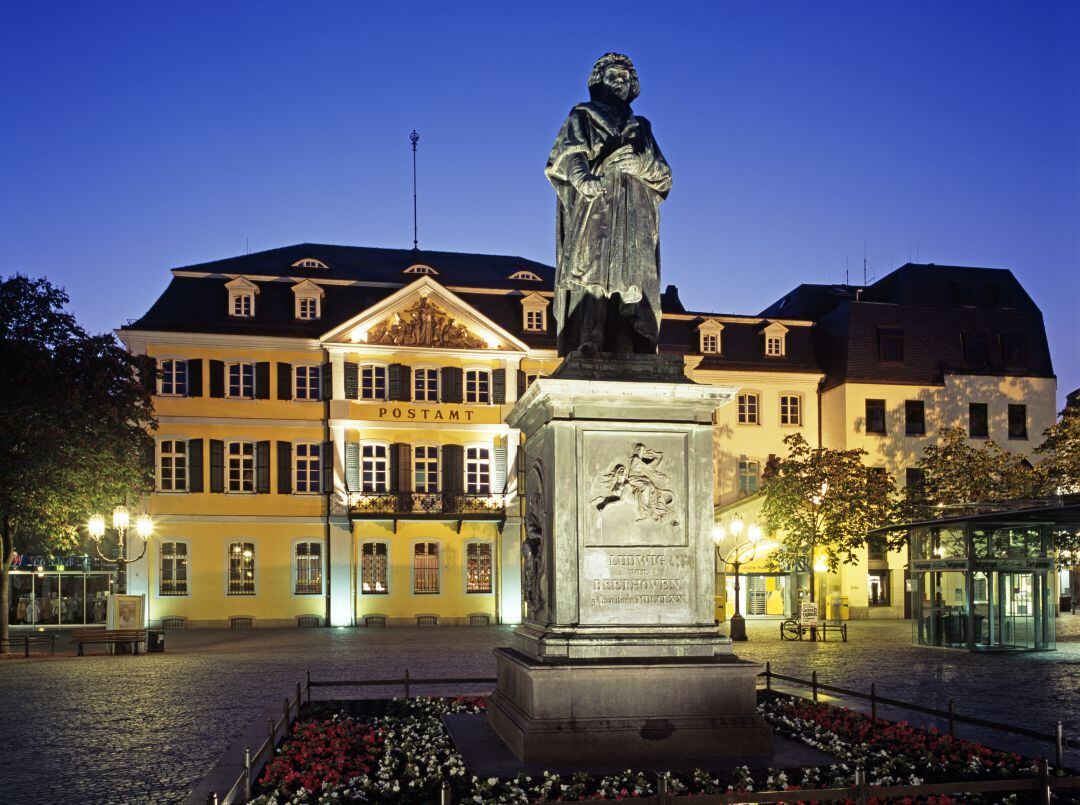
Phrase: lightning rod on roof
{"type": "Point", "coordinates": [414, 138]}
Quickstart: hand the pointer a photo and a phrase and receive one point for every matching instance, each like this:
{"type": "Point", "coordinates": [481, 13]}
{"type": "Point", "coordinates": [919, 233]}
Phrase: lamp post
{"type": "Point", "coordinates": [121, 520]}
{"type": "Point", "coordinates": [738, 623]}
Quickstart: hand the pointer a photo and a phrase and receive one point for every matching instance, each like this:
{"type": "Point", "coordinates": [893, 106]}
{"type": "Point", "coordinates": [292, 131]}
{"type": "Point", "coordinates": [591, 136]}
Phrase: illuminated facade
{"type": "Point", "coordinates": [332, 449]}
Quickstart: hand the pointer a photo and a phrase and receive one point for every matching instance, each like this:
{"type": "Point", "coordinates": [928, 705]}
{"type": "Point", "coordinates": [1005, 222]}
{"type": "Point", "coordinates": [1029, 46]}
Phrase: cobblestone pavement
{"type": "Point", "coordinates": [146, 729]}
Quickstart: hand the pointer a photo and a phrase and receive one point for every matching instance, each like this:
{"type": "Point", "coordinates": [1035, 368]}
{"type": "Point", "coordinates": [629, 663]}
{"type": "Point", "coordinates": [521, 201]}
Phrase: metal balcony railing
{"type": "Point", "coordinates": [373, 504]}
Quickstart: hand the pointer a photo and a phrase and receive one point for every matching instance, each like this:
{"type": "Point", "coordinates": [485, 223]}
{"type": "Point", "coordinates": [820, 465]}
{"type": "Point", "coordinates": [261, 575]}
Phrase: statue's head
{"type": "Point", "coordinates": [614, 75]}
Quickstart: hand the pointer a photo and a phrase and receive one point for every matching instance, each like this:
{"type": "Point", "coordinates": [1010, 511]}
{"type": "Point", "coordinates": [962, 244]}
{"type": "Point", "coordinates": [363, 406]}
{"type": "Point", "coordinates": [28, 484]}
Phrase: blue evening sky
{"type": "Point", "coordinates": [135, 137]}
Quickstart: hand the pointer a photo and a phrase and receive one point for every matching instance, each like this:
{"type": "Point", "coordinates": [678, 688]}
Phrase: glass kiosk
{"type": "Point", "coordinates": [986, 582]}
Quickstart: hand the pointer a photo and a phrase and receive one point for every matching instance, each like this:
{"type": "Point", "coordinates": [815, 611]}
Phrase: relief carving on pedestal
{"type": "Point", "coordinates": [424, 324]}
{"type": "Point", "coordinates": [534, 577]}
{"type": "Point", "coordinates": [640, 477]}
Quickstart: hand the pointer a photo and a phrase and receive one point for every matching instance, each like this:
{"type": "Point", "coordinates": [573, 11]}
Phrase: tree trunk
{"type": "Point", "coordinates": [6, 549]}
{"type": "Point", "coordinates": [813, 582]}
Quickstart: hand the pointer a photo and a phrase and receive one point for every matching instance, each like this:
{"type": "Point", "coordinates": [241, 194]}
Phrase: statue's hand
{"type": "Point", "coordinates": [626, 161]}
{"type": "Point", "coordinates": [591, 187]}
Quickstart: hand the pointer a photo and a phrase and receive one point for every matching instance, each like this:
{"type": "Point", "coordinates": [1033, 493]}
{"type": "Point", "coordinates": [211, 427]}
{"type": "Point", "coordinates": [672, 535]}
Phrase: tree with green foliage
{"type": "Point", "coordinates": [75, 424]}
{"type": "Point", "coordinates": [823, 501]}
{"type": "Point", "coordinates": [956, 473]}
{"type": "Point", "coordinates": [1060, 449]}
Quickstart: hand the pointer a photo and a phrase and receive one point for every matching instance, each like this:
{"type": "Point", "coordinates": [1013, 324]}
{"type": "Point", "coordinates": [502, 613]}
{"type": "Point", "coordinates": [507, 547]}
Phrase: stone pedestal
{"type": "Point", "coordinates": [619, 654]}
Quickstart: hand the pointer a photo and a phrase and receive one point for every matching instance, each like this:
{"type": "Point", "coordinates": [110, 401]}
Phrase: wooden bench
{"type": "Point", "coordinates": [115, 637]}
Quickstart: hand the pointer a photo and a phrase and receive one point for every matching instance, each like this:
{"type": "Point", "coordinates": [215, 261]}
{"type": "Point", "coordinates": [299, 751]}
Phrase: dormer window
{"type": "Point", "coordinates": [310, 262]}
{"type": "Point", "coordinates": [525, 275]}
{"type": "Point", "coordinates": [241, 297]}
{"type": "Point", "coordinates": [534, 312]}
{"type": "Point", "coordinates": [775, 340]}
{"type": "Point", "coordinates": [307, 297]}
{"type": "Point", "coordinates": [419, 268]}
{"type": "Point", "coordinates": [709, 333]}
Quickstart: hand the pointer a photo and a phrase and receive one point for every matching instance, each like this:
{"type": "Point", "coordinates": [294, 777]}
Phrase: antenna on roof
{"type": "Point", "coordinates": [864, 265]}
{"type": "Point", "coordinates": [414, 138]}
{"type": "Point", "coordinates": [847, 271]}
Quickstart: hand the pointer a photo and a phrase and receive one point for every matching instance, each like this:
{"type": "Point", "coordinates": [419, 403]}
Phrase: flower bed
{"type": "Point", "coordinates": [399, 752]}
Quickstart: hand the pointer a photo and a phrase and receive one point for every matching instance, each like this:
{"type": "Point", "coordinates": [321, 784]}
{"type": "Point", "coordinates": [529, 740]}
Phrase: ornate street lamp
{"type": "Point", "coordinates": [121, 521]}
{"type": "Point", "coordinates": [753, 533]}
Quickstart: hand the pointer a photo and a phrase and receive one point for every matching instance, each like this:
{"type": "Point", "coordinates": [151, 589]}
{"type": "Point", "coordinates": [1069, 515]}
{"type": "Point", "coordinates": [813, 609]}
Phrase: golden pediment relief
{"type": "Point", "coordinates": [424, 324]}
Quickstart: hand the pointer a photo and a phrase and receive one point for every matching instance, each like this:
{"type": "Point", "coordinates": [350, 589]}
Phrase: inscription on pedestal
{"type": "Point", "coordinates": [628, 585]}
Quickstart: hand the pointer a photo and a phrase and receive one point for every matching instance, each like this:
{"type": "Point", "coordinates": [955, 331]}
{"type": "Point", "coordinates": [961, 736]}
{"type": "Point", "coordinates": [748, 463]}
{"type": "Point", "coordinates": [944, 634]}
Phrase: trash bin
{"type": "Point", "coordinates": [1065, 604]}
{"type": "Point", "coordinates": [155, 641]}
{"type": "Point", "coordinates": [839, 608]}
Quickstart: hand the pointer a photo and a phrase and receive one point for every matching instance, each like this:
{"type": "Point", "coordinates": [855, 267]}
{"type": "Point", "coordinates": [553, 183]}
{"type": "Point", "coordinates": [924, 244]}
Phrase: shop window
{"type": "Point", "coordinates": [173, 466]}
{"type": "Point", "coordinates": [875, 417]}
{"type": "Point", "coordinates": [757, 595]}
{"type": "Point", "coordinates": [173, 378]}
{"type": "Point", "coordinates": [426, 385]}
{"type": "Point", "coordinates": [978, 421]}
{"type": "Point", "coordinates": [241, 377]}
{"type": "Point", "coordinates": [309, 569]}
{"type": "Point", "coordinates": [241, 568]}
{"type": "Point", "coordinates": [241, 467]}
{"type": "Point", "coordinates": [307, 383]}
{"type": "Point", "coordinates": [749, 476]}
{"type": "Point", "coordinates": [477, 386]}
{"type": "Point", "coordinates": [173, 576]}
{"type": "Point", "coordinates": [426, 567]}
{"type": "Point", "coordinates": [914, 418]}
{"type": "Point", "coordinates": [426, 468]}
{"type": "Point", "coordinates": [477, 471]}
{"type": "Point", "coordinates": [373, 569]}
{"type": "Point", "coordinates": [374, 467]}
{"type": "Point", "coordinates": [478, 567]}
{"type": "Point", "coordinates": [878, 589]}
{"type": "Point", "coordinates": [372, 382]}
{"type": "Point", "coordinates": [1017, 421]}
{"type": "Point", "coordinates": [749, 409]}
{"type": "Point", "coordinates": [306, 468]}
{"type": "Point", "coordinates": [790, 409]}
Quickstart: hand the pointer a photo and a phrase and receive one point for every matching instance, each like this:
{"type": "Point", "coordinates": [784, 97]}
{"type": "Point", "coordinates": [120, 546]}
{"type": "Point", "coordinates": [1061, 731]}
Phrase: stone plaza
{"type": "Point", "coordinates": [147, 729]}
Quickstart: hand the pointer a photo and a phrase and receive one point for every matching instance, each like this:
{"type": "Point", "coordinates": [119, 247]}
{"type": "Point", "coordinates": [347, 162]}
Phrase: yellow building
{"type": "Point", "coordinates": [332, 446]}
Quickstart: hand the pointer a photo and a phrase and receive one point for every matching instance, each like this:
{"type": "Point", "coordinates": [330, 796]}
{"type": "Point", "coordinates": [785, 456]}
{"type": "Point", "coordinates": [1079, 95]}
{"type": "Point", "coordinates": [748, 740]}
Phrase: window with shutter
{"type": "Point", "coordinates": [262, 380]}
{"type": "Point", "coordinates": [195, 465]}
{"type": "Point", "coordinates": [217, 465]}
{"type": "Point", "coordinates": [284, 468]}
{"type": "Point", "coordinates": [217, 378]}
{"type": "Point", "coordinates": [262, 468]}
{"type": "Point", "coordinates": [352, 466]}
{"type": "Point", "coordinates": [284, 381]}
{"type": "Point", "coordinates": [352, 381]}
{"type": "Point", "coordinates": [451, 384]}
{"type": "Point", "coordinates": [240, 467]}
{"type": "Point", "coordinates": [498, 386]}
{"type": "Point", "coordinates": [194, 370]}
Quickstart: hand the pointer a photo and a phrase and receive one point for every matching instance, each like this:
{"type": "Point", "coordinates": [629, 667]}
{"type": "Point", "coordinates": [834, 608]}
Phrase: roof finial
{"type": "Point", "coordinates": [414, 138]}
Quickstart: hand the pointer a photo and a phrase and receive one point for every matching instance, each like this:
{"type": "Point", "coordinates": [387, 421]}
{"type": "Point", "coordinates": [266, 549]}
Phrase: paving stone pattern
{"type": "Point", "coordinates": [129, 729]}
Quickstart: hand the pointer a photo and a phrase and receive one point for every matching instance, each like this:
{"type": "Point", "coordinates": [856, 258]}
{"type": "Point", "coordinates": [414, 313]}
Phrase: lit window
{"type": "Point", "coordinates": [774, 345]}
{"type": "Point", "coordinates": [241, 380]}
{"type": "Point", "coordinates": [749, 476]}
{"type": "Point", "coordinates": [373, 569]}
{"type": "Point", "coordinates": [749, 409]}
{"type": "Point", "coordinates": [375, 467]}
{"type": "Point", "coordinates": [790, 409]}
{"type": "Point", "coordinates": [307, 307]}
{"type": "Point", "coordinates": [172, 580]}
{"type": "Point", "coordinates": [306, 468]}
{"type": "Point", "coordinates": [372, 382]}
{"type": "Point", "coordinates": [477, 471]}
{"type": "Point", "coordinates": [308, 383]}
{"type": "Point", "coordinates": [426, 385]}
{"type": "Point", "coordinates": [478, 567]}
{"type": "Point", "coordinates": [534, 321]}
{"type": "Point", "coordinates": [241, 568]}
{"type": "Point", "coordinates": [426, 567]}
{"type": "Point", "coordinates": [173, 466]}
{"type": "Point", "coordinates": [710, 343]}
{"type": "Point", "coordinates": [241, 467]}
{"type": "Point", "coordinates": [309, 568]}
{"type": "Point", "coordinates": [173, 378]}
{"type": "Point", "coordinates": [426, 468]}
{"type": "Point", "coordinates": [478, 386]}
{"type": "Point", "coordinates": [243, 305]}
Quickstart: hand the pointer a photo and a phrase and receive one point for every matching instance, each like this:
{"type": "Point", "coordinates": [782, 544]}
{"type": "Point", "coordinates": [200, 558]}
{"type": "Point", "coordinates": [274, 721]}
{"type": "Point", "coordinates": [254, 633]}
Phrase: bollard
{"type": "Point", "coordinates": [1059, 745]}
{"type": "Point", "coordinates": [406, 683]}
{"type": "Point", "coordinates": [860, 784]}
{"type": "Point", "coordinates": [211, 798]}
{"type": "Point", "coordinates": [299, 700]}
{"type": "Point", "coordinates": [661, 789]}
{"type": "Point", "coordinates": [27, 639]}
{"type": "Point", "coordinates": [270, 729]}
{"type": "Point", "coordinates": [1044, 782]}
{"type": "Point", "coordinates": [309, 686]}
{"type": "Point", "coordinates": [952, 719]}
{"type": "Point", "coordinates": [287, 720]}
{"type": "Point", "coordinates": [444, 793]}
{"type": "Point", "coordinates": [247, 774]}
{"type": "Point", "coordinates": [873, 701]}
{"type": "Point", "coordinates": [813, 684]}
{"type": "Point", "coordinates": [768, 677]}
